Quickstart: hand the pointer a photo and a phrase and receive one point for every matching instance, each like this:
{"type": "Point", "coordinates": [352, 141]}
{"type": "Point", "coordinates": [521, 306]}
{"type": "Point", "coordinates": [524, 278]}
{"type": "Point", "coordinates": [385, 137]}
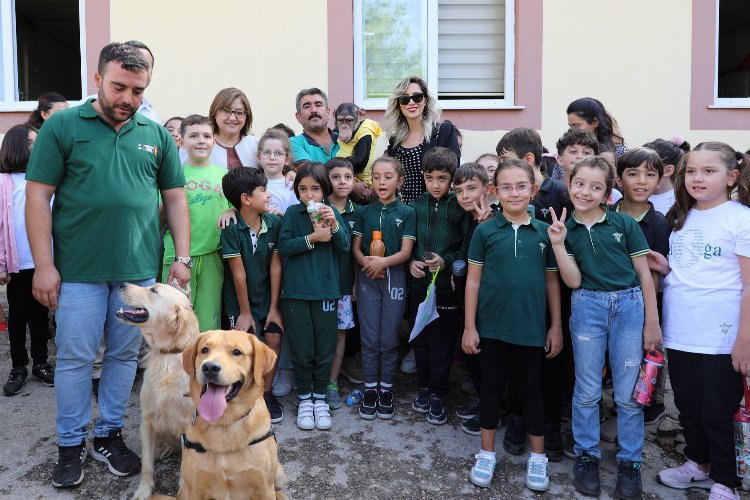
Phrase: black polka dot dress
{"type": "Point", "coordinates": [414, 185]}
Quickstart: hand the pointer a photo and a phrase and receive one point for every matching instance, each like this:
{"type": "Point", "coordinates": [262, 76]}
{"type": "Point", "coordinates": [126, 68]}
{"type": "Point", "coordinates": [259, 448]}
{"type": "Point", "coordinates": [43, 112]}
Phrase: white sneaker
{"type": "Point", "coordinates": [536, 474]}
{"type": "Point", "coordinates": [305, 415]}
{"type": "Point", "coordinates": [687, 475]}
{"type": "Point", "coordinates": [409, 363]}
{"type": "Point", "coordinates": [322, 415]}
{"type": "Point", "coordinates": [283, 382]}
{"type": "Point", "coordinates": [484, 468]}
{"type": "Point", "coordinates": [721, 492]}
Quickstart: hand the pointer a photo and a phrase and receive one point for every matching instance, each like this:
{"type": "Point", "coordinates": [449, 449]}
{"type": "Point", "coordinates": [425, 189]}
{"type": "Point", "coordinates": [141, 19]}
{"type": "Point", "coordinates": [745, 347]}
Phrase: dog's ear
{"type": "Point", "coordinates": [263, 360]}
{"type": "Point", "coordinates": [179, 321]}
{"type": "Point", "coordinates": [188, 358]}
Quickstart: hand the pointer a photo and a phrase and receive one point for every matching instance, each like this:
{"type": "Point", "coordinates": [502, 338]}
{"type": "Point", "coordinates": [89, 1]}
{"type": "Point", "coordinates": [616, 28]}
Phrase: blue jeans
{"type": "Point", "coordinates": [85, 313]}
{"type": "Point", "coordinates": [602, 321]}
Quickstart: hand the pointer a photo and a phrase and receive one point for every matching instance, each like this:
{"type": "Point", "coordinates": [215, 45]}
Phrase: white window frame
{"type": "Point", "coordinates": [507, 102]}
{"type": "Point", "coordinates": [724, 102]}
{"type": "Point", "coordinates": [8, 101]}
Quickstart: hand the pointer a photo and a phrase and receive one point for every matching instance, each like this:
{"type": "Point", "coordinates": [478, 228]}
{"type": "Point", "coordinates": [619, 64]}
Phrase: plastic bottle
{"type": "Point", "coordinates": [354, 397]}
{"type": "Point", "coordinates": [742, 435]}
{"type": "Point", "coordinates": [460, 269]}
{"type": "Point", "coordinates": [313, 210]}
{"type": "Point", "coordinates": [377, 248]}
{"type": "Point", "coordinates": [651, 367]}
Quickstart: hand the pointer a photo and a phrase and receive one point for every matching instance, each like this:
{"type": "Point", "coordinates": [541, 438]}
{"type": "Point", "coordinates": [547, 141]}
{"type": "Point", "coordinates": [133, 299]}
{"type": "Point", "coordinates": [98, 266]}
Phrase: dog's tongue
{"type": "Point", "coordinates": [213, 402]}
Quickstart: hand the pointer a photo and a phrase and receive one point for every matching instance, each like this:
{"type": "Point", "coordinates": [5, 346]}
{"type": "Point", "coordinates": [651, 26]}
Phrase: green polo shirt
{"type": "Point", "coordinates": [346, 262]}
{"type": "Point", "coordinates": [305, 148]}
{"type": "Point", "coordinates": [311, 270]}
{"type": "Point", "coordinates": [513, 289]}
{"type": "Point", "coordinates": [237, 241]}
{"type": "Point", "coordinates": [105, 218]}
{"type": "Point", "coordinates": [396, 222]}
{"type": "Point", "coordinates": [605, 251]}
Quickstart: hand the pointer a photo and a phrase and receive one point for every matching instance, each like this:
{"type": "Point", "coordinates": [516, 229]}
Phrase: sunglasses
{"type": "Point", "coordinates": [417, 97]}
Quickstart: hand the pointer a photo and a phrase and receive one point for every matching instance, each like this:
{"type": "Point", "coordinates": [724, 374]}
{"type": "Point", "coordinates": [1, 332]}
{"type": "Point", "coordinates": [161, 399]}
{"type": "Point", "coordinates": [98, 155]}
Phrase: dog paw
{"type": "Point", "coordinates": [142, 493]}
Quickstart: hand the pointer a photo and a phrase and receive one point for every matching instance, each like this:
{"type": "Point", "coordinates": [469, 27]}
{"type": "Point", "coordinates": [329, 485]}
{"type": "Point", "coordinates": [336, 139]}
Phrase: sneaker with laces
{"type": "Point", "coordinates": [687, 475]}
{"type": "Point", "coordinates": [469, 410]}
{"type": "Point", "coordinates": [16, 381]}
{"type": "Point", "coordinates": [322, 414]}
{"type": "Point", "coordinates": [471, 426]}
{"type": "Point", "coordinates": [68, 470]}
{"type": "Point", "coordinates": [120, 460]}
{"type": "Point", "coordinates": [514, 440]}
{"type": "Point", "coordinates": [385, 409]}
{"type": "Point", "coordinates": [44, 373]}
{"type": "Point", "coordinates": [409, 363]}
{"type": "Point", "coordinates": [629, 485]}
{"type": "Point", "coordinates": [437, 414]}
{"type": "Point", "coordinates": [586, 475]}
{"type": "Point", "coordinates": [421, 403]}
{"type": "Point", "coordinates": [333, 398]}
{"type": "Point", "coordinates": [283, 383]}
{"type": "Point", "coordinates": [369, 404]}
{"type": "Point", "coordinates": [536, 474]}
{"type": "Point", "coordinates": [484, 468]}
{"type": "Point", "coordinates": [351, 369]}
{"type": "Point", "coordinates": [306, 415]}
{"type": "Point", "coordinates": [721, 492]}
{"type": "Point", "coordinates": [274, 408]}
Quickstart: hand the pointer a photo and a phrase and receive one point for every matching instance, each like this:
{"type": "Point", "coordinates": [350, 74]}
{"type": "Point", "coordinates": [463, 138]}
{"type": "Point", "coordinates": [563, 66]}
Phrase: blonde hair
{"type": "Point", "coordinates": [394, 122]}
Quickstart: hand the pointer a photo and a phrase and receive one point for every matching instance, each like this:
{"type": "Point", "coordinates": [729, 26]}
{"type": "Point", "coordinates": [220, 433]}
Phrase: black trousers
{"type": "Point", "coordinates": [707, 392]}
{"type": "Point", "coordinates": [25, 310]}
{"type": "Point", "coordinates": [501, 362]}
{"type": "Point", "coordinates": [434, 347]}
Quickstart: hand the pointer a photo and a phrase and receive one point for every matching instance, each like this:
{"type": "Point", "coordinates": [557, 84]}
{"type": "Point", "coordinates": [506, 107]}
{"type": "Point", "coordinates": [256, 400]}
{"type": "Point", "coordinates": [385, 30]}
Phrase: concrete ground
{"type": "Point", "coordinates": [402, 458]}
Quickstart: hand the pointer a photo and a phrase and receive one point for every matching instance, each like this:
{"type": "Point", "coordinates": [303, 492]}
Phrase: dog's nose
{"type": "Point", "coordinates": [211, 369]}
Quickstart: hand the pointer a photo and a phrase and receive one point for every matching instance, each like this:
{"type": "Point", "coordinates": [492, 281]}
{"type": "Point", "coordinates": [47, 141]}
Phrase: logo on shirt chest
{"type": "Point", "coordinates": [542, 246]}
{"type": "Point", "coordinates": [149, 149]}
{"type": "Point", "coordinates": [725, 328]}
{"type": "Point", "coordinates": [545, 211]}
{"type": "Point", "coordinates": [398, 222]}
{"type": "Point", "coordinates": [617, 236]}
{"type": "Point", "coordinates": [351, 224]}
{"type": "Point", "coordinates": [270, 245]}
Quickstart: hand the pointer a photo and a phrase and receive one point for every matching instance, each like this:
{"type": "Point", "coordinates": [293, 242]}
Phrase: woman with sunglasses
{"type": "Point", "coordinates": [412, 126]}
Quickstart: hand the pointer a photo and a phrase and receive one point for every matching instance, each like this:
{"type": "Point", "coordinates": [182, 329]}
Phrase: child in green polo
{"type": "Point", "coordinates": [206, 202]}
{"type": "Point", "coordinates": [508, 330]}
{"type": "Point", "coordinates": [310, 290]}
{"type": "Point", "coordinates": [252, 278]}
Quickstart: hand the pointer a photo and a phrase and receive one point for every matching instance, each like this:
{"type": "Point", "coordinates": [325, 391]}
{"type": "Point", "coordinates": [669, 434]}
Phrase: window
{"type": "Point", "coordinates": [465, 50]}
{"type": "Point", "coordinates": [732, 54]}
{"type": "Point", "coordinates": [42, 43]}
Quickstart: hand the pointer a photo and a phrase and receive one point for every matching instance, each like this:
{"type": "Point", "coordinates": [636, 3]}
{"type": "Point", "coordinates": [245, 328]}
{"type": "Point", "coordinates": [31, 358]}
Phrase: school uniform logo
{"type": "Point", "coordinates": [542, 246]}
{"type": "Point", "coordinates": [398, 222]}
{"type": "Point", "coordinates": [617, 236]}
{"type": "Point", "coordinates": [271, 245]}
{"type": "Point", "coordinates": [545, 211]}
{"type": "Point", "coordinates": [351, 224]}
{"type": "Point", "coordinates": [725, 328]}
{"type": "Point", "coordinates": [149, 149]}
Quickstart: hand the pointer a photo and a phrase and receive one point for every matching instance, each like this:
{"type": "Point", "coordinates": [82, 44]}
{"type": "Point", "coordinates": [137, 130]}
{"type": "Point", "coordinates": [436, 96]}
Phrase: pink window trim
{"type": "Point", "coordinates": [702, 75]}
{"type": "Point", "coordinates": [529, 35]}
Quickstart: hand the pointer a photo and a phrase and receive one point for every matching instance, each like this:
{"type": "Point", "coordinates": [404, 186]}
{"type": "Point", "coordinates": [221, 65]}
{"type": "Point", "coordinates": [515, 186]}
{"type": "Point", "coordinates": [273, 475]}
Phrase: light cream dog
{"type": "Point", "coordinates": [166, 319]}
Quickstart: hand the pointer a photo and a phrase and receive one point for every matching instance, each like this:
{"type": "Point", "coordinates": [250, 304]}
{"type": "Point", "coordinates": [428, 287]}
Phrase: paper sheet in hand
{"type": "Point", "coordinates": [427, 311]}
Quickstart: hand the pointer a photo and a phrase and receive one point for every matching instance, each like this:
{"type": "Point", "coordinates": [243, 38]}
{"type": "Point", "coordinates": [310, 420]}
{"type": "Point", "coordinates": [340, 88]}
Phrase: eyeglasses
{"type": "Point", "coordinates": [520, 188]}
{"type": "Point", "coordinates": [239, 113]}
{"type": "Point", "coordinates": [272, 154]}
{"type": "Point", "coordinates": [417, 97]}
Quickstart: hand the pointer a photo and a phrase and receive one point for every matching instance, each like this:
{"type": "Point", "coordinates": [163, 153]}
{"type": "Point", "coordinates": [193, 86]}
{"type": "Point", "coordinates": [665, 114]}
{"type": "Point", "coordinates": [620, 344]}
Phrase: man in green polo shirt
{"type": "Point", "coordinates": [317, 142]}
{"type": "Point", "coordinates": [105, 165]}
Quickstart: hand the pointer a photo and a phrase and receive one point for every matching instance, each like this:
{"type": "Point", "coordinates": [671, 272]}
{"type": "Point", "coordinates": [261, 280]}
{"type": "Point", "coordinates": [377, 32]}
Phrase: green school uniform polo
{"type": "Point", "coordinates": [604, 252]}
{"type": "Point", "coordinates": [311, 271]}
{"type": "Point", "coordinates": [395, 221]}
{"type": "Point", "coordinates": [513, 289]}
{"type": "Point", "coordinates": [237, 241]}
{"type": "Point", "coordinates": [105, 218]}
{"type": "Point", "coordinates": [346, 262]}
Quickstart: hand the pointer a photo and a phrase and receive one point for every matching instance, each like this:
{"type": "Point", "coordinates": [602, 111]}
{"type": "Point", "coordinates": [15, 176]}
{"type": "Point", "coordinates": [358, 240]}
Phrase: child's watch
{"type": "Point", "coordinates": [187, 261]}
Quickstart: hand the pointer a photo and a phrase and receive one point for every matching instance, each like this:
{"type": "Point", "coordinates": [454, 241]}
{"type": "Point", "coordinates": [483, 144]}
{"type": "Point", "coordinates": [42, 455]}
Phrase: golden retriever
{"type": "Point", "coordinates": [166, 319]}
{"type": "Point", "coordinates": [229, 450]}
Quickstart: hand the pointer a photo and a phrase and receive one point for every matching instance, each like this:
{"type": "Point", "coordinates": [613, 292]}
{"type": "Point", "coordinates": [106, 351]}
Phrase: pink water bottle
{"type": "Point", "coordinates": [651, 367]}
{"type": "Point", "coordinates": [742, 434]}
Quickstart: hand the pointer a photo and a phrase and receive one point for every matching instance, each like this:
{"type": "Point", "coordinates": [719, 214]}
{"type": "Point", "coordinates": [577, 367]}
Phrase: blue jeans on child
{"type": "Point", "coordinates": [602, 321]}
{"type": "Point", "coordinates": [85, 313]}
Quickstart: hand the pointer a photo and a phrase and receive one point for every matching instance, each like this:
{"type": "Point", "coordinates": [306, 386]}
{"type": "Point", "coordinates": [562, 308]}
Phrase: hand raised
{"type": "Point", "coordinates": [557, 229]}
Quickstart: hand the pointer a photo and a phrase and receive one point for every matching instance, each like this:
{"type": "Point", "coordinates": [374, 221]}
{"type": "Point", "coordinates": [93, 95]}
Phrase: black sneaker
{"type": "Point", "coordinates": [653, 413]}
{"type": "Point", "coordinates": [111, 450]}
{"type": "Point", "coordinates": [437, 414]}
{"type": "Point", "coordinates": [421, 403]}
{"type": "Point", "coordinates": [586, 474]}
{"type": "Point", "coordinates": [471, 426]}
{"type": "Point", "coordinates": [553, 445]}
{"type": "Point", "coordinates": [274, 408]}
{"type": "Point", "coordinates": [16, 380]}
{"type": "Point", "coordinates": [469, 410]}
{"type": "Point", "coordinates": [628, 481]}
{"type": "Point", "coordinates": [369, 404]}
{"type": "Point", "coordinates": [385, 408]}
{"type": "Point", "coordinates": [514, 440]}
{"type": "Point", "coordinates": [68, 470]}
{"type": "Point", "coordinates": [44, 373]}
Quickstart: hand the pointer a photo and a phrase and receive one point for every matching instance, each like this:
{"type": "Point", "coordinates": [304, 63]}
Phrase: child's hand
{"type": "Point", "coordinates": [554, 343]}
{"type": "Point", "coordinates": [289, 179]}
{"type": "Point", "coordinates": [354, 292]}
{"type": "Point", "coordinates": [321, 234]}
{"type": "Point", "coordinates": [416, 268]}
{"type": "Point", "coordinates": [245, 322]}
{"type": "Point", "coordinates": [274, 316]}
{"type": "Point", "coordinates": [651, 336]}
{"type": "Point", "coordinates": [557, 230]}
{"type": "Point", "coordinates": [326, 214]}
{"type": "Point", "coordinates": [227, 215]}
{"type": "Point", "coordinates": [470, 341]}
{"type": "Point", "coordinates": [657, 262]}
{"type": "Point", "coordinates": [435, 262]}
{"type": "Point", "coordinates": [741, 356]}
{"type": "Point", "coordinates": [374, 267]}
{"type": "Point", "coordinates": [4, 278]}
{"type": "Point", "coordinates": [483, 210]}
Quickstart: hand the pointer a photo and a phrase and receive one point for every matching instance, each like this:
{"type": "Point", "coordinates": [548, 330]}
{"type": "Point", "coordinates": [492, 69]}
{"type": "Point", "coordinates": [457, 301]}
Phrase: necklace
{"type": "Point", "coordinates": [216, 140]}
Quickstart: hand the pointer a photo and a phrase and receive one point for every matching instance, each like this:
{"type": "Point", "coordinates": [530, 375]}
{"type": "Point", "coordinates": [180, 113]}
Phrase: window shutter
{"type": "Point", "coordinates": [471, 48]}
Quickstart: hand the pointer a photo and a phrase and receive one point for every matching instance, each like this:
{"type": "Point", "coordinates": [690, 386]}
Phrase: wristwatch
{"type": "Point", "coordinates": [185, 260]}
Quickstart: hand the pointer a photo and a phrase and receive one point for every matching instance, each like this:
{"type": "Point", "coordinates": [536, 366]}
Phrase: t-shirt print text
{"type": "Point", "coordinates": [689, 248]}
{"type": "Point", "coordinates": [154, 150]}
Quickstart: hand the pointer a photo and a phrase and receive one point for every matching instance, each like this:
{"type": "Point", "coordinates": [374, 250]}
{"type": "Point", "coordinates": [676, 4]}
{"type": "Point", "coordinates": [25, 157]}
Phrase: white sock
{"type": "Point", "coordinates": [487, 454]}
{"type": "Point", "coordinates": [537, 455]}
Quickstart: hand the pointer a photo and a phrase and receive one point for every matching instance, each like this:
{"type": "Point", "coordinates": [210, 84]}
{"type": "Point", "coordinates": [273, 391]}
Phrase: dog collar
{"type": "Point", "coordinates": [193, 445]}
{"type": "Point", "coordinates": [174, 350]}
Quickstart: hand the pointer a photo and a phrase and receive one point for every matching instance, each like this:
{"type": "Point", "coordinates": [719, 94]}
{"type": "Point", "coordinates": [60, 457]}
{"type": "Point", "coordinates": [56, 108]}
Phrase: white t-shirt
{"type": "Point", "coordinates": [702, 292]}
{"type": "Point", "coordinates": [614, 196]}
{"type": "Point", "coordinates": [662, 202]}
{"type": "Point", "coordinates": [282, 196]}
{"type": "Point", "coordinates": [25, 261]}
